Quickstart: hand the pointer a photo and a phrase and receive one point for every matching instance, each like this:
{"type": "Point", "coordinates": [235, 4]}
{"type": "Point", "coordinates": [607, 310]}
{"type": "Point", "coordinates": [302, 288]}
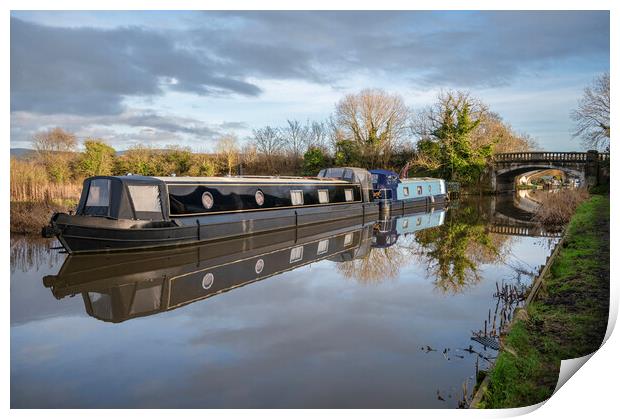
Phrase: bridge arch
{"type": "Point", "coordinates": [509, 165]}
{"type": "Point", "coordinates": [505, 178]}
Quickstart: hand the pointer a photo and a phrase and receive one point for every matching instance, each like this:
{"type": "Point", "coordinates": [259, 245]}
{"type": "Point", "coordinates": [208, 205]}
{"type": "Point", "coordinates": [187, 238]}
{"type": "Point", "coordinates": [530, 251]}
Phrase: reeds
{"type": "Point", "coordinates": [30, 183]}
{"type": "Point", "coordinates": [557, 207]}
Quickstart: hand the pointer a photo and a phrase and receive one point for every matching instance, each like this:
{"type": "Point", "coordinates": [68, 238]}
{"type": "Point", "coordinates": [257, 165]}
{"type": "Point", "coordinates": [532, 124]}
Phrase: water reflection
{"type": "Point", "coordinates": [120, 286]}
{"type": "Point", "coordinates": [351, 316]}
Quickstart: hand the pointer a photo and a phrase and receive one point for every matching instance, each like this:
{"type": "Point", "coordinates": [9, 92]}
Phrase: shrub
{"type": "Point", "coordinates": [557, 207]}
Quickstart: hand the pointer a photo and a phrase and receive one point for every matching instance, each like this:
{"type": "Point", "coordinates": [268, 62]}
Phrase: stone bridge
{"type": "Point", "coordinates": [590, 167]}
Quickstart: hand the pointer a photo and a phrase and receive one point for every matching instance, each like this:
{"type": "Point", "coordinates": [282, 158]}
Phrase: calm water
{"type": "Point", "coordinates": [345, 315]}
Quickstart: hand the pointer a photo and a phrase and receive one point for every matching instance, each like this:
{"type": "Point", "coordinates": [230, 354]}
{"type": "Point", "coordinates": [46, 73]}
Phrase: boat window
{"type": "Point", "coordinates": [98, 201]}
{"type": "Point", "coordinates": [259, 196]}
{"type": "Point", "coordinates": [348, 174]}
{"type": "Point", "coordinates": [297, 254]}
{"type": "Point", "coordinates": [323, 196]}
{"type": "Point", "coordinates": [419, 190]}
{"type": "Point", "coordinates": [406, 191]}
{"type": "Point", "coordinates": [145, 198]}
{"type": "Point", "coordinates": [101, 305]}
{"type": "Point", "coordinates": [405, 223]}
{"type": "Point", "coordinates": [207, 200]}
{"type": "Point", "coordinates": [323, 247]}
{"type": "Point", "coordinates": [297, 197]}
{"type": "Point", "coordinates": [375, 178]}
{"type": "Point", "coordinates": [348, 239]}
{"type": "Point", "coordinates": [348, 195]}
{"type": "Point", "coordinates": [430, 189]}
{"type": "Point", "coordinates": [207, 280]}
{"type": "Point", "coordinates": [146, 299]}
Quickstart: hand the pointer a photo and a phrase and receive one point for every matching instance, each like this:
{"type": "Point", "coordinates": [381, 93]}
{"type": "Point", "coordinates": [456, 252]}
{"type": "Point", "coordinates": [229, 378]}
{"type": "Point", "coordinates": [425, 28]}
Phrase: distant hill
{"type": "Point", "coordinates": [21, 152]}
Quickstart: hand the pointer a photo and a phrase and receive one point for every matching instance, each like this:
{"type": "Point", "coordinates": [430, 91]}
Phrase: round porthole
{"type": "Point", "coordinates": [207, 200]}
{"type": "Point", "coordinates": [207, 281]}
{"type": "Point", "coordinates": [260, 198]}
{"type": "Point", "coordinates": [260, 264]}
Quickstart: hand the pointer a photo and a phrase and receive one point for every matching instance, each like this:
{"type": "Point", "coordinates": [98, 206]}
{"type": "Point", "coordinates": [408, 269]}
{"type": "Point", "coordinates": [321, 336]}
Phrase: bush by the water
{"type": "Point", "coordinates": [557, 207]}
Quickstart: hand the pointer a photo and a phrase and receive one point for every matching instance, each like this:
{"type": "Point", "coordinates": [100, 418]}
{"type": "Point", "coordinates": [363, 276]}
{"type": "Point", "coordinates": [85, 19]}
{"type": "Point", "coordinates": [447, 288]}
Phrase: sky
{"type": "Point", "coordinates": [185, 78]}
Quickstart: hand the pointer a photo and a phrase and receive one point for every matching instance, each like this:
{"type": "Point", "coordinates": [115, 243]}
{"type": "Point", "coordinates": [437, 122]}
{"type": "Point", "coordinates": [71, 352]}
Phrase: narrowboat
{"type": "Point", "coordinates": [388, 230]}
{"type": "Point", "coordinates": [398, 194]}
{"type": "Point", "coordinates": [119, 286]}
{"type": "Point", "coordinates": [118, 213]}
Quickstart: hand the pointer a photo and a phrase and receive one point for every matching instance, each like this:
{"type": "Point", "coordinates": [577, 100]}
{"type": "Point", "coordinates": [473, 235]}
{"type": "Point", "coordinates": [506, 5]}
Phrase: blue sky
{"type": "Point", "coordinates": [185, 78]}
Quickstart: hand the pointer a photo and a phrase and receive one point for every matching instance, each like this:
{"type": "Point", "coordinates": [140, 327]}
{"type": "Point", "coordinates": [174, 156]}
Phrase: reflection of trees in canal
{"type": "Point", "coordinates": [453, 252]}
{"type": "Point", "coordinates": [379, 264]}
{"type": "Point", "coordinates": [32, 253]}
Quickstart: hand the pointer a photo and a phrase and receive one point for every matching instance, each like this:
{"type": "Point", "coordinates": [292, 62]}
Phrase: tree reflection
{"type": "Point", "coordinates": [455, 250]}
{"type": "Point", "coordinates": [376, 266]}
{"type": "Point", "coordinates": [32, 252]}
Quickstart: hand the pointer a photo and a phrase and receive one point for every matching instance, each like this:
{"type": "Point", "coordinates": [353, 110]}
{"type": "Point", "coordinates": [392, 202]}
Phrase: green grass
{"type": "Point", "coordinates": [568, 319]}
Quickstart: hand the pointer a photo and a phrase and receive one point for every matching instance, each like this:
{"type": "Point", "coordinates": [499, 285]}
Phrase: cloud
{"type": "Point", "coordinates": [133, 126]}
{"type": "Point", "coordinates": [91, 76]}
{"type": "Point", "coordinates": [87, 71]}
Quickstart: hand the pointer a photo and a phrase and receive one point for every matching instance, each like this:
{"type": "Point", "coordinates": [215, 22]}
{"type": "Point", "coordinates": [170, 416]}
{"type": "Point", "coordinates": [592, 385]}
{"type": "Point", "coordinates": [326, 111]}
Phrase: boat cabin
{"type": "Point", "coordinates": [388, 187]}
{"type": "Point", "coordinates": [164, 198]}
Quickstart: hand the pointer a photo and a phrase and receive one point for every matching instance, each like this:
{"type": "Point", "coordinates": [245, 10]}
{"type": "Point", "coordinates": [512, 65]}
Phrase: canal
{"type": "Point", "coordinates": [355, 314]}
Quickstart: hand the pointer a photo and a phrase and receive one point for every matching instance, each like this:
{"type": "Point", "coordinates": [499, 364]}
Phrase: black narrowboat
{"type": "Point", "coordinates": [140, 212]}
{"type": "Point", "coordinates": [119, 286]}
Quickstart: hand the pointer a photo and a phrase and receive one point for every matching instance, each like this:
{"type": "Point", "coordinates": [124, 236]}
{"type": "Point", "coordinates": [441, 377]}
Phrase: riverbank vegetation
{"type": "Point", "coordinates": [455, 139]}
{"type": "Point", "coordinates": [567, 319]}
{"type": "Point", "coordinates": [556, 207]}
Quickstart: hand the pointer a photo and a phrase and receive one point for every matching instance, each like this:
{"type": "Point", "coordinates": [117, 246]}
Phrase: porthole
{"type": "Point", "coordinates": [207, 281]}
{"type": "Point", "coordinates": [419, 190]}
{"type": "Point", "coordinates": [260, 198]}
{"type": "Point", "coordinates": [406, 191]}
{"type": "Point", "coordinates": [430, 189]}
{"type": "Point", "coordinates": [260, 264]}
{"type": "Point", "coordinates": [207, 200]}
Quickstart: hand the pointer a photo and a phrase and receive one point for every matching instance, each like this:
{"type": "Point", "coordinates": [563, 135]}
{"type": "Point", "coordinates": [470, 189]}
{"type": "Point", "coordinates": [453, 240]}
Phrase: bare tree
{"type": "Point", "coordinates": [493, 130]}
{"type": "Point", "coordinates": [318, 136]}
{"type": "Point", "coordinates": [52, 149]}
{"type": "Point", "coordinates": [592, 114]}
{"type": "Point", "coordinates": [295, 136]}
{"type": "Point", "coordinates": [375, 120]}
{"type": "Point", "coordinates": [268, 143]}
{"type": "Point", "coordinates": [228, 151]}
{"type": "Point", "coordinates": [53, 140]}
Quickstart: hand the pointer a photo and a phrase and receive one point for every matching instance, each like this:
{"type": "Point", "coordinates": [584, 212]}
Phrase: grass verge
{"type": "Point", "coordinates": [568, 319]}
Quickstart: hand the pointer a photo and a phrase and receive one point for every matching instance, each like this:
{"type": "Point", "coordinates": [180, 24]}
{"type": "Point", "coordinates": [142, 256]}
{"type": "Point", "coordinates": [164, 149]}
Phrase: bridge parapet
{"type": "Point", "coordinates": [547, 156]}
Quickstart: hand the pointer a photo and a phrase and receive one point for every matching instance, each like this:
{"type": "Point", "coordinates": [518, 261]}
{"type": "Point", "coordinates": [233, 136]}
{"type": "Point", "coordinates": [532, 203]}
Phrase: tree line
{"type": "Point", "coordinates": [454, 138]}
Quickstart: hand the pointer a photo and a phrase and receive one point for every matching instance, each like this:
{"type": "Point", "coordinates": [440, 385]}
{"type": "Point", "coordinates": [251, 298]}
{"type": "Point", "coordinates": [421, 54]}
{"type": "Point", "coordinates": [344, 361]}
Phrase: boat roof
{"type": "Point", "coordinates": [231, 179]}
{"type": "Point", "coordinates": [382, 172]}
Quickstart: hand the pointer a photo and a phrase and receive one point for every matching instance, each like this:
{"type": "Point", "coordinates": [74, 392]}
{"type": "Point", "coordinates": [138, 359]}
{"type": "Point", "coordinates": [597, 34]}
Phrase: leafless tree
{"type": "Point", "coordinates": [53, 140]}
{"type": "Point", "coordinates": [375, 120]}
{"type": "Point", "coordinates": [295, 136]}
{"type": "Point", "coordinates": [269, 144]}
{"type": "Point", "coordinates": [228, 151]}
{"type": "Point", "coordinates": [592, 114]}
{"type": "Point", "coordinates": [319, 136]}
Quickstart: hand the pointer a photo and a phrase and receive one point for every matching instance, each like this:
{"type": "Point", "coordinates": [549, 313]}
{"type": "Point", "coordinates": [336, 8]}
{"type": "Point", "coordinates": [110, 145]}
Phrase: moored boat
{"type": "Point", "coordinates": [137, 212]}
{"type": "Point", "coordinates": [399, 194]}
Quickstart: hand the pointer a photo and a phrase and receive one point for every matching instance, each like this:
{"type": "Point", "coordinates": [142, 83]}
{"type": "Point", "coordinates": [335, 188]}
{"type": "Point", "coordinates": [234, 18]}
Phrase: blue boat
{"type": "Point", "coordinates": [396, 194]}
{"type": "Point", "coordinates": [390, 229]}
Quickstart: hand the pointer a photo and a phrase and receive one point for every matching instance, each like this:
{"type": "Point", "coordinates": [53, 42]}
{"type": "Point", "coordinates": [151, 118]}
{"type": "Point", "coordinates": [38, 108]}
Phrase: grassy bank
{"type": "Point", "coordinates": [568, 318]}
{"type": "Point", "coordinates": [30, 217]}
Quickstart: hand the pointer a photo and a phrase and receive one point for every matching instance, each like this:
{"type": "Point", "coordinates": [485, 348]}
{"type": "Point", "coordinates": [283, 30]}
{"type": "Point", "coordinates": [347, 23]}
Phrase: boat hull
{"type": "Point", "coordinates": [396, 207]}
{"type": "Point", "coordinates": [84, 234]}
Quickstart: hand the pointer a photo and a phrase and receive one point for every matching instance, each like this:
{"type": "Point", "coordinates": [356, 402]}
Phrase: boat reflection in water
{"type": "Point", "coordinates": [119, 286]}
